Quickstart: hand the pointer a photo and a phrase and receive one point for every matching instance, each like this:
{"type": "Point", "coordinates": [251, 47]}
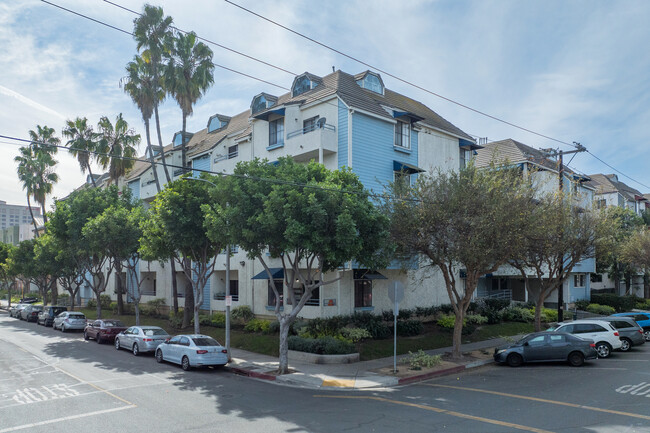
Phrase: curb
{"type": "Point", "coordinates": [249, 373]}
{"type": "Point", "coordinates": [453, 370]}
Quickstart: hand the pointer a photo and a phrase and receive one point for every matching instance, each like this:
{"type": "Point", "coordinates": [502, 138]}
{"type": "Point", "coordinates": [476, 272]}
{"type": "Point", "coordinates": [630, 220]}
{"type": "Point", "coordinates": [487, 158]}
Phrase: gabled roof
{"type": "Point", "coordinates": [609, 183]}
{"type": "Point", "coordinates": [345, 87]}
{"type": "Point", "coordinates": [516, 152]}
{"type": "Point", "coordinates": [203, 140]}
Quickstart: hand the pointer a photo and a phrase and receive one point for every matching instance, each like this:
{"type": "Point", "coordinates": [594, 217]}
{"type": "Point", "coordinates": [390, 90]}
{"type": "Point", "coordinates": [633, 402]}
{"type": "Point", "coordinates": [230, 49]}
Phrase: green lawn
{"type": "Point", "coordinates": [432, 338]}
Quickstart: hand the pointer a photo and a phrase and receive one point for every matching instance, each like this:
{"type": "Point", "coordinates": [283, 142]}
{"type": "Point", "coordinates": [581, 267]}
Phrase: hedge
{"type": "Point", "coordinates": [321, 346]}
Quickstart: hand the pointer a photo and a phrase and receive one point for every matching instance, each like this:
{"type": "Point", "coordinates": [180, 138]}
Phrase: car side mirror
{"type": "Point", "coordinates": [525, 344]}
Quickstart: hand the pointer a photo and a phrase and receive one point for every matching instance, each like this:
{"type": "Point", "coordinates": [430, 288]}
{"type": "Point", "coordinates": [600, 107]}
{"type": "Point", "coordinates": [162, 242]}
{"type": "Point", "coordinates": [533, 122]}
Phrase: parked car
{"type": "Point", "coordinates": [68, 320]}
{"type": "Point", "coordinates": [103, 330]}
{"type": "Point", "coordinates": [140, 339]}
{"type": "Point", "coordinates": [46, 317]}
{"type": "Point", "coordinates": [547, 346]}
{"type": "Point", "coordinates": [193, 350]}
{"type": "Point", "coordinates": [16, 309]}
{"type": "Point", "coordinates": [602, 333]}
{"type": "Point", "coordinates": [29, 300]}
{"type": "Point", "coordinates": [30, 312]}
{"type": "Point", "coordinates": [642, 318]}
{"type": "Point", "coordinates": [631, 333]}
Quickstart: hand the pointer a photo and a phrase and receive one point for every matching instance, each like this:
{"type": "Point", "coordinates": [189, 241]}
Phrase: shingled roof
{"type": "Point", "coordinates": [609, 183]}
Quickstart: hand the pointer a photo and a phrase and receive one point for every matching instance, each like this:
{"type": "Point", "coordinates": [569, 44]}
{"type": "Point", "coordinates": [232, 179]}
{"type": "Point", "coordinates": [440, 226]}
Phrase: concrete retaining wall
{"type": "Point", "coordinates": [314, 358]}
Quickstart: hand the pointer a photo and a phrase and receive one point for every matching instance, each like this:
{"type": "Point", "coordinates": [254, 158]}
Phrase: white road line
{"type": "Point", "coordinates": [67, 418]}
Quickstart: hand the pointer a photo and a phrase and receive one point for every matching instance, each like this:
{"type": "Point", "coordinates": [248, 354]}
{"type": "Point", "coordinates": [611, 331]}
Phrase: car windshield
{"type": "Point", "coordinates": [205, 341]}
{"type": "Point", "coordinates": [154, 332]}
{"type": "Point", "coordinates": [112, 323]}
{"type": "Point", "coordinates": [37, 308]}
{"type": "Point", "coordinates": [552, 328]}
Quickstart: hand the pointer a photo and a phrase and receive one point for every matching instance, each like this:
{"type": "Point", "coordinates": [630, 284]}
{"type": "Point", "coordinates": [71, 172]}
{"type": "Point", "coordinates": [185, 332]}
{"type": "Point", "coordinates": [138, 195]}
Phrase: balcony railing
{"type": "Point", "coordinates": [310, 128]}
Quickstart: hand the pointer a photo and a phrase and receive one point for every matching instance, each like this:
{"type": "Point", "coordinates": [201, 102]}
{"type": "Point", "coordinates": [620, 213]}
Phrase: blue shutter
{"type": "Point", "coordinates": [134, 186]}
{"type": "Point", "coordinates": [202, 163]}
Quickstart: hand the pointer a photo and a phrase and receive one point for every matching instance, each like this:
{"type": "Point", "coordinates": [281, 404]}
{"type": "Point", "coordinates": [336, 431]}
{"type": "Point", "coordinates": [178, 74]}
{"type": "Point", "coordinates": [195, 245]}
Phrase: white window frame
{"type": "Point", "coordinates": [405, 138]}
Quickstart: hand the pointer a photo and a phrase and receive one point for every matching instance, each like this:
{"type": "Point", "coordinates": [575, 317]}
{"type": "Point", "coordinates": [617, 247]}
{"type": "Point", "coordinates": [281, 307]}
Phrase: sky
{"type": "Point", "coordinates": [574, 71]}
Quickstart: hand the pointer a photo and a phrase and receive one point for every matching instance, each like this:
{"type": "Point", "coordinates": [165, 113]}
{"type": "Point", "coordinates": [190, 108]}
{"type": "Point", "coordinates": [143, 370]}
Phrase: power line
{"type": "Point", "coordinates": [211, 42]}
{"type": "Point", "coordinates": [131, 34]}
{"type": "Point", "coordinates": [398, 78]}
{"type": "Point", "coordinates": [618, 171]}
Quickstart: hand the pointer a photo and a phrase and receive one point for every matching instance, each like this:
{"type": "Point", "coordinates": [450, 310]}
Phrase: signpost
{"type": "Point", "coordinates": [395, 294]}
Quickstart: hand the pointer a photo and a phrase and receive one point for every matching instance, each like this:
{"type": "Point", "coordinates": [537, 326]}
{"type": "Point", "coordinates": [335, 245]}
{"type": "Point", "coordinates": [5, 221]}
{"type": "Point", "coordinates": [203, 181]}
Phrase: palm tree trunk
{"type": "Point", "coordinates": [44, 216]}
{"type": "Point", "coordinates": [151, 160]}
{"type": "Point", "coordinates": [162, 149]}
{"type": "Point", "coordinates": [29, 206]}
{"type": "Point", "coordinates": [92, 178]}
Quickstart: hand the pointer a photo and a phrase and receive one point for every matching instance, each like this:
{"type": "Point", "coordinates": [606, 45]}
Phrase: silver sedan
{"type": "Point", "coordinates": [192, 350]}
{"type": "Point", "coordinates": [139, 339]}
{"type": "Point", "coordinates": [69, 320]}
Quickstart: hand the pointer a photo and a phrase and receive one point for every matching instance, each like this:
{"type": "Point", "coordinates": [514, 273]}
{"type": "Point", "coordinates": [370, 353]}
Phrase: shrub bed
{"type": "Point", "coordinates": [321, 346]}
{"type": "Point", "coordinates": [603, 310]}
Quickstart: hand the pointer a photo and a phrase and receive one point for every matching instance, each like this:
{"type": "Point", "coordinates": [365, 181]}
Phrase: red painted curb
{"type": "Point", "coordinates": [405, 380]}
{"type": "Point", "coordinates": [249, 373]}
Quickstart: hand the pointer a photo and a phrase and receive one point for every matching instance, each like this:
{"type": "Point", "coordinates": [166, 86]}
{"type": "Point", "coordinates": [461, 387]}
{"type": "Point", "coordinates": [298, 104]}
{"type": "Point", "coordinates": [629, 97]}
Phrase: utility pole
{"type": "Point", "coordinates": [578, 148]}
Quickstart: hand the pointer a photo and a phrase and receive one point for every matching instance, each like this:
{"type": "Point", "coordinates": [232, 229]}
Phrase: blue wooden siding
{"type": "Point", "coordinates": [202, 163]}
{"type": "Point", "coordinates": [373, 151]}
{"type": "Point", "coordinates": [134, 186]}
{"type": "Point", "coordinates": [343, 135]}
{"type": "Point", "coordinates": [585, 265]}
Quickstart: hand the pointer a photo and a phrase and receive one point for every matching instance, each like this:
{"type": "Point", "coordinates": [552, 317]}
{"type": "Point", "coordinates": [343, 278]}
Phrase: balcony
{"type": "Point", "coordinates": [304, 144]}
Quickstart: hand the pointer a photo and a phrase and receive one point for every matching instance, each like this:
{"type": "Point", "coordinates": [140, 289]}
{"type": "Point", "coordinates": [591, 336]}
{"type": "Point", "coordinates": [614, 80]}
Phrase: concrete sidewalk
{"type": "Point", "coordinates": [358, 375]}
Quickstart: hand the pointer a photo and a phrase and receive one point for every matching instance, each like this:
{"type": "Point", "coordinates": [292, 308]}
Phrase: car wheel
{"type": "Point", "coordinates": [136, 349]}
{"type": "Point", "coordinates": [159, 356]}
{"type": "Point", "coordinates": [603, 349]}
{"type": "Point", "coordinates": [646, 334]}
{"type": "Point", "coordinates": [625, 344]}
{"type": "Point", "coordinates": [98, 339]}
{"type": "Point", "coordinates": [514, 360]}
{"type": "Point", "coordinates": [117, 343]}
{"type": "Point", "coordinates": [576, 359]}
{"type": "Point", "coordinates": [185, 363]}
{"type": "Point", "coordinates": [85, 335]}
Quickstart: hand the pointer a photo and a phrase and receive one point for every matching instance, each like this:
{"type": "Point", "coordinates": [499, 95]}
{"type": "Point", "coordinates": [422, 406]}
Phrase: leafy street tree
{"type": "Point", "coordinates": [45, 255]}
{"type": "Point", "coordinates": [82, 143]}
{"type": "Point", "coordinates": [636, 251]}
{"type": "Point", "coordinates": [189, 74]}
{"type": "Point", "coordinates": [115, 234]}
{"type": "Point", "coordinates": [141, 87]}
{"type": "Point", "coordinates": [560, 236]}
{"type": "Point", "coordinates": [621, 224]}
{"type": "Point", "coordinates": [153, 34]}
{"type": "Point", "coordinates": [44, 145]}
{"type": "Point", "coordinates": [468, 220]}
{"type": "Point", "coordinates": [6, 277]}
{"type": "Point", "coordinates": [175, 228]}
{"type": "Point", "coordinates": [117, 146]}
{"type": "Point", "coordinates": [67, 225]}
{"type": "Point", "coordinates": [311, 219]}
{"type": "Point", "coordinates": [30, 270]}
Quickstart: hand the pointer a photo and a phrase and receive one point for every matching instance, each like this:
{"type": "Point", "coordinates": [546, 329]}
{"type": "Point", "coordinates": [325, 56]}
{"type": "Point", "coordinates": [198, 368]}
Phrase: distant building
{"type": "Point", "coordinates": [14, 215]}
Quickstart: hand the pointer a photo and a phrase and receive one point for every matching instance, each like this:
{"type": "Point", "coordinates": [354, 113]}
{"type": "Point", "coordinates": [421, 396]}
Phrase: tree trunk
{"type": "Point", "coordinates": [458, 333]}
{"type": "Point", "coordinates": [119, 289]}
{"type": "Point", "coordinates": [189, 296]}
{"type": "Point", "coordinates": [90, 172]}
{"type": "Point", "coordinates": [31, 212]}
{"type": "Point", "coordinates": [136, 305]}
{"type": "Point", "coordinates": [646, 286]}
{"type": "Point", "coordinates": [628, 283]}
{"type": "Point", "coordinates": [172, 262]}
{"type": "Point", "coordinates": [285, 325]}
{"type": "Point", "coordinates": [44, 215]}
{"type": "Point", "coordinates": [55, 292]}
{"type": "Point", "coordinates": [151, 158]}
{"type": "Point", "coordinates": [99, 304]}
{"type": "Point", "coordinates": [162, 154]}
{"type": "Point", "coordinates": [538, 313]}
{"type": "Point", "coordinates": [197, 325]}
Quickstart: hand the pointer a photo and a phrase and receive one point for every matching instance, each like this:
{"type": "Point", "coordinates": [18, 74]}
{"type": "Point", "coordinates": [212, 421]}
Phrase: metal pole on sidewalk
{"type": "Point", "coordinates": [228, 302]}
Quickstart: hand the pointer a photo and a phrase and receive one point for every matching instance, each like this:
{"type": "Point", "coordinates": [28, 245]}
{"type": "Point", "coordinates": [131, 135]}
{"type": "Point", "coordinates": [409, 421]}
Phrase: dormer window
{"type": "Point", "coordinates": [372, 82]}
{"type": "Point", "coordinates": [261, 102]}
{"type": "Point", "coordinates": [304, 83]}
{"type": "Point", "coordinates": [217, 122]}
{"type": "Point", "coordinates": [177, 140]}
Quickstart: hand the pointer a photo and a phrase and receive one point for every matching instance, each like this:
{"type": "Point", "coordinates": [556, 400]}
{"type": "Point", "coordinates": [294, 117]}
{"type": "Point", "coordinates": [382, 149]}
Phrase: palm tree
{"type": "Point", "coordinates": [44, 145]}
{"type": "Point", "coordinates": [82, 143]}
{"type": "Point", "coordinates": [141, 86]}
{"type": "Point", "coordinates": [27, 176]}
{"type": "Point", "coordinates": [189, 74]}
{"type": "Point", "coordinates": [116, 147]}
{"type": "Point", "coordinates": [152, 32]}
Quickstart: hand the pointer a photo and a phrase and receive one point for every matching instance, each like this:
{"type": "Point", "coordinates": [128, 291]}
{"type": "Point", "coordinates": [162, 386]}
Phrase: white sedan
{"type": "Point", "coordinates": [192, 350]}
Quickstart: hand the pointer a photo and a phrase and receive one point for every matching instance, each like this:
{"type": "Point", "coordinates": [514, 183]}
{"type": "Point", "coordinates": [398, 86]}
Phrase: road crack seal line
{"type": "Point", "coordinates": [439, 410]}
{"type": "Point", "coordinates": [542, 400]}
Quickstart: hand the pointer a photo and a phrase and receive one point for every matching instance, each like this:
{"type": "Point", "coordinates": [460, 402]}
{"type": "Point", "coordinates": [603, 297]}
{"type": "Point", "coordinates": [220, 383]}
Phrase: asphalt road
{"type": "Point", "coordinates": [58, 382]}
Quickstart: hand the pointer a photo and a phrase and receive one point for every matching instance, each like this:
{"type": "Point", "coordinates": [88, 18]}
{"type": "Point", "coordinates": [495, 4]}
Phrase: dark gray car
{"type": "Point", "coordinates": [631, 333]}
{"type": "Point", "coordinates": [547, 346]}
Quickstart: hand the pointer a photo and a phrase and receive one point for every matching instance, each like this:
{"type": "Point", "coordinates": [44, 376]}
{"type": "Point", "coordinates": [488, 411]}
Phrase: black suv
{"type": "Point", "coordinates": [46, 317]}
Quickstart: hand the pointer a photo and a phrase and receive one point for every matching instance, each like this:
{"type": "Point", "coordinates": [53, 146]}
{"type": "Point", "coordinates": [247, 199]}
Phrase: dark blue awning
{"type": "Point", "coordinates": [413, 117]}
{"type": "Point", "coordinates": [469, 145]}
{"type": "Point", "coordinates": [364, 274]}
{"type": "Point", "coordinates": [408, 168]}
{"type": "Point", "coordinates": [265, 115]}
{"type": "Point", "coordinates": [276, 273]}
